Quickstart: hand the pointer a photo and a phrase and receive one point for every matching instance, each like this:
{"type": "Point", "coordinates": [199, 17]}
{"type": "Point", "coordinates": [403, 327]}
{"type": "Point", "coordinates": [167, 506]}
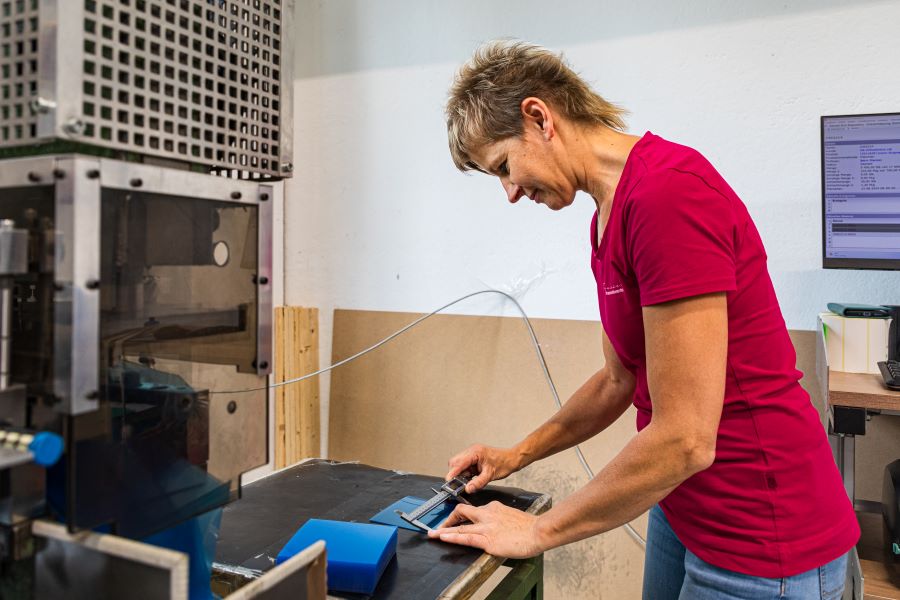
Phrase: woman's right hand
{"type": "Point", "coordinates": [484, 464]}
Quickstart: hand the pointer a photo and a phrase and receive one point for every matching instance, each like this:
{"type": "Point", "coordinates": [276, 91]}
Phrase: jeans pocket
{"type": "Point", "coordinates": [832, 577]}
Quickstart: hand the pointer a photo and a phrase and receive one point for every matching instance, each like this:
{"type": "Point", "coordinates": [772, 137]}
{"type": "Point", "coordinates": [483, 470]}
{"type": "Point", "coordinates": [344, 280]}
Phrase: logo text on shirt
{"type": "Point", "coordinates": [615, 288]}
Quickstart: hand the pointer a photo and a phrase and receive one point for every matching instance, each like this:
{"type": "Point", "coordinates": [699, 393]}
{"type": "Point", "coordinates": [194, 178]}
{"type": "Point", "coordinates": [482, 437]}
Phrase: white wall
{"type": "Point", "coordinates": [378, 218]}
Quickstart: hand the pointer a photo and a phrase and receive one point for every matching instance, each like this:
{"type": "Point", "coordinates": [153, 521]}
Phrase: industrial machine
{"type": "Point", "coordinates": [141, 143]}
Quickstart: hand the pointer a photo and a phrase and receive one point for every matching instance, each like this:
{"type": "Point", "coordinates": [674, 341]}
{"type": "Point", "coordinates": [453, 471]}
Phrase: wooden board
{"type": "Point", "coordinates": [297, 404]}
{"type": "Point", "coordinates": [861, 390]}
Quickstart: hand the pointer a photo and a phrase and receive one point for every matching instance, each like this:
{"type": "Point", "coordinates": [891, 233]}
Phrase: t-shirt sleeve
{"type": "Point", "coordinates": [680, 235]}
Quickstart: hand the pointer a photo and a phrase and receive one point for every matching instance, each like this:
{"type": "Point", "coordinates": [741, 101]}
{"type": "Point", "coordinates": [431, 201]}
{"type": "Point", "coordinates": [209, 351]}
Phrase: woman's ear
{"type": "Point", "coordinates": [537, 114]}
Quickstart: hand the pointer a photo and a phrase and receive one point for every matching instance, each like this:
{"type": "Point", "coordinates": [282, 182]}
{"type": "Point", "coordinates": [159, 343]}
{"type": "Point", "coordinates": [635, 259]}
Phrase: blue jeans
{"type": "Point", "coordinates": [672, 572]}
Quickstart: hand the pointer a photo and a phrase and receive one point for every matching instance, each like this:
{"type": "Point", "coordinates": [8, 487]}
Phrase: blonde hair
{"type": "Point", "coordinates": [484, 104]}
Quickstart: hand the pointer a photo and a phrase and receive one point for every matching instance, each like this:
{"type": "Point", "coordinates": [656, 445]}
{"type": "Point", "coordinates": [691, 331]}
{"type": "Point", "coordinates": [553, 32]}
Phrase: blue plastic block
{"type": "Point", "coordinates": [408, 504]}
{"type": "Point", "coordinates": [357, 553]}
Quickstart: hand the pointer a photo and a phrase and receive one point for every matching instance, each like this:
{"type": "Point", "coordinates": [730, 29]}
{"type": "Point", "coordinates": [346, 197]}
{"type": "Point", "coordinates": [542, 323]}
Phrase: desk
{"type": "Point", "coordinates": [861, 390]}
{"type": "Point", "coordinates": [849, 399]}
{"type": "Point", "coordinates": [272, 509]}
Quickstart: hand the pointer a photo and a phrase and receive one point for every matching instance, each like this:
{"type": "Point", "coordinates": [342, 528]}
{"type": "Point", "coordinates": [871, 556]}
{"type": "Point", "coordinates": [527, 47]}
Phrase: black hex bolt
{"type": "Point", "coordinates": [136, 182]}
{"type": "Point", "coordinates": [235, 195]}
{"type": "Point", "coordinates": [92, 284]}
{"type": "Point", "coordinates": [34, 177]}
{"type": "Point", "coordinates": [59, 173]}
{"type": "Point", "coordinates": [93, 174]}
{"type": "Point", "coordinates": [263, 197]}
{"type": "Point", "coordinates": [264, 365]}
{"type": "Point", "coordinates": [232, 406]}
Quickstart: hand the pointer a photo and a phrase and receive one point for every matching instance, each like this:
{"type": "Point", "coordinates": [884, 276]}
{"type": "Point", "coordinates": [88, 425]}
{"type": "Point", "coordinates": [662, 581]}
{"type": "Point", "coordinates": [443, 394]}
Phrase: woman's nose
{"type": "Point", "coordinates": [513, 191]}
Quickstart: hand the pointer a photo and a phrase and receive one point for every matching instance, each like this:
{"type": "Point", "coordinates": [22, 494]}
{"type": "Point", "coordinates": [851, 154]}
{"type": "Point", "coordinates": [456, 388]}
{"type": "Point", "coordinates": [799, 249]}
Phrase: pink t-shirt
{"type": "Point", "coordinates": [772, 504]}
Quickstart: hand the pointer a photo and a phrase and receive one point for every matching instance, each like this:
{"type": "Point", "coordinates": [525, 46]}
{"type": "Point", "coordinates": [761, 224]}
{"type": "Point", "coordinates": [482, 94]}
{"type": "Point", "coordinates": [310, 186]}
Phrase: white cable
{"type": "Point", "coordinates": [537, 347]}
{"type": "Point", "coordinates": [370, 348]}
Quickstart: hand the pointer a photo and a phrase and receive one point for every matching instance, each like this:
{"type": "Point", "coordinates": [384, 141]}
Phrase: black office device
{"type": "Point", "coordinates": [890, 368]}
{"type": "Point", "coordinates": [861, 191]}
{"type": "Point", "coordinates": [870, 311]}
{"type": "Point", "coordinates": [890, 508]}
{"type": "Point", "coordinates": [890, 372]}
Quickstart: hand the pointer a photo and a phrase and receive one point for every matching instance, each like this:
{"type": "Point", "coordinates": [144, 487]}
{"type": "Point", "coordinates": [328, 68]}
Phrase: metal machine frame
{"type": "Point", "coordinates": [184, 101]}
{"type": "Point", "coordinates": [79, 181]}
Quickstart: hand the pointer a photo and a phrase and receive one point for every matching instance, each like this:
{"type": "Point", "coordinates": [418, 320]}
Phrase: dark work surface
{"type": "Point", "coordinates": [271, 510]}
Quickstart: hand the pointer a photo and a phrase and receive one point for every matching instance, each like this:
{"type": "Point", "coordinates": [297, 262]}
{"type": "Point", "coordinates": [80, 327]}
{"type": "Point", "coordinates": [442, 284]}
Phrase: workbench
{"type": "Point", "coordinates": [271, 510]}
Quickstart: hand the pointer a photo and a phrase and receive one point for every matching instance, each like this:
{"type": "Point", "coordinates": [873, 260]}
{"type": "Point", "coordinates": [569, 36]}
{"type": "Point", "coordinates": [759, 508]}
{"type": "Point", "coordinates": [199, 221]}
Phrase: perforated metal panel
{"type": "Point", "coordinates": [200, 81]}
{"type": "Point", "coordinates": [19, 28]}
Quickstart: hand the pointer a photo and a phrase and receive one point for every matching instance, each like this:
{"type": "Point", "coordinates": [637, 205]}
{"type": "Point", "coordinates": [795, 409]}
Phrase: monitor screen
{"type": "Point", "coordinates": [861, 191]}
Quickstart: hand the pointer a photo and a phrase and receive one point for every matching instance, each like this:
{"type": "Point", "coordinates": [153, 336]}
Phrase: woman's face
{"type": "Point", "coordinates": [531, 165]}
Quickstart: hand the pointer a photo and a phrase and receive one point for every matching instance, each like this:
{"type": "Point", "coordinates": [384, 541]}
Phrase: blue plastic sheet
{"type": "Point", "coordinates": [196, 538]}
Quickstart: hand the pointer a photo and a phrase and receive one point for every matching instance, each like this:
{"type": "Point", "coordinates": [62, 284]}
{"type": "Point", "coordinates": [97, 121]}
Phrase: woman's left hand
{"type": "Point", "coordinates": [495, 528]}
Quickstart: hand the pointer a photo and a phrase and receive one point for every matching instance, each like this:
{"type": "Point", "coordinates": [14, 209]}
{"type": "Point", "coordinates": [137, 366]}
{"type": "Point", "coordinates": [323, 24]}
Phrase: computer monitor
{"type": "Point", "coordinates": [861, 191]}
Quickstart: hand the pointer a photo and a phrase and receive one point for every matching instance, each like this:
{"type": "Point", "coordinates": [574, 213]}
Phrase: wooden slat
{"type": "Point", "coordinates": [308, 338]}
{"type": "Point", "coordinates": [297, 413]}
{"type": "Point", "coordinates": [293, 421]}
{"type": "Point", "coordinates": [292, 390]}
{"type": "Point", "coordinates": [299, 388]}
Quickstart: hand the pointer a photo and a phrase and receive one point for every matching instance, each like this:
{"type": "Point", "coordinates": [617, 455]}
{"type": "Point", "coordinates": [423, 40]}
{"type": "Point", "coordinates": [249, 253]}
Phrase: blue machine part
{"type": "Point", "coordinates": [46, 447]}
{"type": "Point", "coordinates": [357, 553]}
{"type": "Point", "coordinates": [389, 516]}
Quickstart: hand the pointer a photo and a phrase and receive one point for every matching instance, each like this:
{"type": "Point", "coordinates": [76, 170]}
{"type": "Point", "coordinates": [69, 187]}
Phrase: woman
{"type": "Point", "coordinates": [731, 460]}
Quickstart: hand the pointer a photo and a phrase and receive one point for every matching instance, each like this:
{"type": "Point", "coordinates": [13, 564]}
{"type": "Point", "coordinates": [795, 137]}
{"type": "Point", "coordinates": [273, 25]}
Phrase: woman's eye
{"type": "Point", "coordinates": [502, 169]}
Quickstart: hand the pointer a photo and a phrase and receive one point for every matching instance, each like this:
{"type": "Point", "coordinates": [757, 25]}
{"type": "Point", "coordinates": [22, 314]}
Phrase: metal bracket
{"type": "Point", "coordinates": [848, 420]}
